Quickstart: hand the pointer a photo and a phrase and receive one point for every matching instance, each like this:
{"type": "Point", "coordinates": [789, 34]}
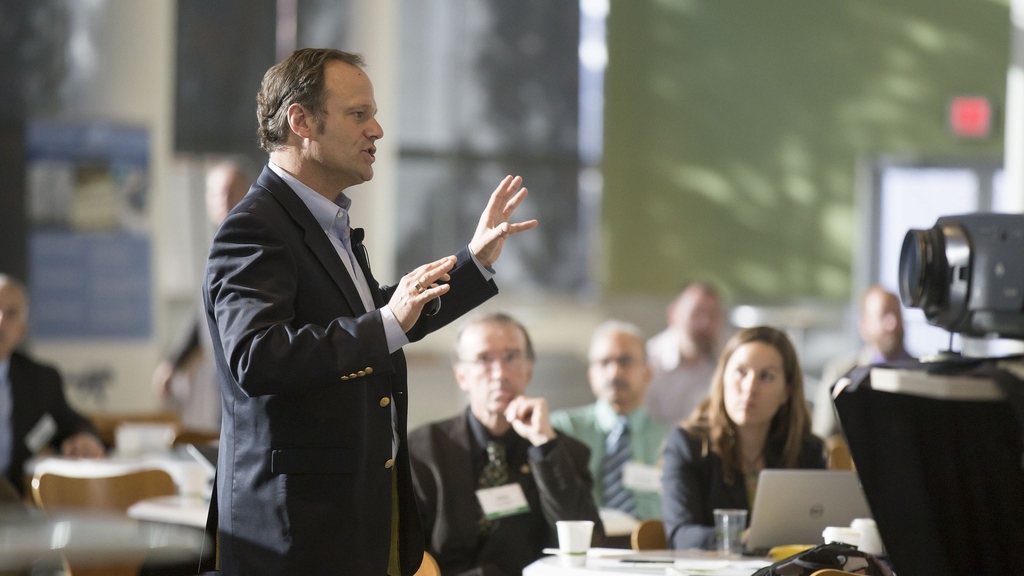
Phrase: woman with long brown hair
{"type": "Point", "coordinates": [755, 417]}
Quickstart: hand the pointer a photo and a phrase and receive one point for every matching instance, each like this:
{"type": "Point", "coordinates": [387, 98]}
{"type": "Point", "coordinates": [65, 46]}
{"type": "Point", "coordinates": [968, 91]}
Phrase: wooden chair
{"type": "Point", "coordinates": [832, 572]}
{"type": "Point", "coordinates": [429, 566]}
{"type": "Point", "coordinates": [54, 492]}
{"type": "Point", "coordinates": [838, 453]}
{"type": "Point", "coordinates": [107, 493]}
{"type": "Point", "coordinates": [649, 535]}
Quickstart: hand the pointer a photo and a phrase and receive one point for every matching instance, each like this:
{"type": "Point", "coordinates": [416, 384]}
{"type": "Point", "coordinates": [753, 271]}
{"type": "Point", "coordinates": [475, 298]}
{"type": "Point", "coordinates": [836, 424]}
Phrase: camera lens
{"type": "Point", "coordinates": [923, 279]}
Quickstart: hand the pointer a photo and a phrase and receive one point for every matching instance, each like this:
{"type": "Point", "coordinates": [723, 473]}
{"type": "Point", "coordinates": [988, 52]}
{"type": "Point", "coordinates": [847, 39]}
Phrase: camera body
{"type": "Point", "coordinates": [967, 274]}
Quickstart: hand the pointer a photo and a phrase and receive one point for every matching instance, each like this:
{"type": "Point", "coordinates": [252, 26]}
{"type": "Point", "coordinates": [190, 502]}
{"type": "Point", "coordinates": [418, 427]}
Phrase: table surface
{"type": "Point", "coordinates": [614, 562]}
{"type": "Point", "coordinates": [184, 510]}
{"type": "Point", "coordinates": [179, 464]}
{"type": "Point", "coordinates": [26, 538]}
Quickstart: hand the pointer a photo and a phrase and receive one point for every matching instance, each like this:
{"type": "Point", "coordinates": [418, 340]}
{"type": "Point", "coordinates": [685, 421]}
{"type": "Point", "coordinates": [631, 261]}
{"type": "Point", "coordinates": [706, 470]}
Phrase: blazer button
{"type": "Point", "coordinates": [384, 402]}
{"type": "Point", "coordinates": [389, 463]}
{"type": "Point", "coordinates": [344, 377]}
{"type": "Point", "coordinates": [361, 373]}
{"type": "Point", "coordinates": [368, 370]}
{"type": "Point", "coordinates": [525, 469]}
{"type": "Point", "coordinates": [352, 376]}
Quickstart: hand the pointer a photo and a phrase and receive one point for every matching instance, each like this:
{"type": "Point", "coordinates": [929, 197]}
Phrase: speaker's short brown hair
{"type": "Point", "coordinates": [298, 79]}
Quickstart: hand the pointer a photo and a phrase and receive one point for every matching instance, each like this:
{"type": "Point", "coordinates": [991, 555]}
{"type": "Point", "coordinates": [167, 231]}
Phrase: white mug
{"type": "Point", "coordinates": [870, 540]}
{"type": "Point", "coordinates": [842, 534]}
{"type": "Point", "coordinates": [574, 536]}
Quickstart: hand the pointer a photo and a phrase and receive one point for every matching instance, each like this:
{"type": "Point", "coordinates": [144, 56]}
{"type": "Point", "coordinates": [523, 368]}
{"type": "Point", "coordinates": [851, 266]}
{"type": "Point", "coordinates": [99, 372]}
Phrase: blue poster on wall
{"type": "Point", "coordinates": [89, 247]}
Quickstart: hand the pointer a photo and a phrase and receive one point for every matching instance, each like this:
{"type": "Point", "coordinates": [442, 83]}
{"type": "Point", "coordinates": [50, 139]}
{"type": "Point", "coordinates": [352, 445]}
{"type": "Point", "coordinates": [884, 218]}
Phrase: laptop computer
{"type": "Point", "coordinates": [795, 506]}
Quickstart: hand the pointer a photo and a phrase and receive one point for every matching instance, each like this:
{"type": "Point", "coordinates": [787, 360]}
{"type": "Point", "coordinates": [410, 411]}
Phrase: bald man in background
{"type": "Point", "coordinates": [881, 328]}
{"type": "Point", "coordinates": [683, 356]}
{"type": "Point", "coordinates": [625, 443]}
{"type": "Point", "coordinates": [187, 378]}
{"type": "Point", "coordinates": [33, 411]}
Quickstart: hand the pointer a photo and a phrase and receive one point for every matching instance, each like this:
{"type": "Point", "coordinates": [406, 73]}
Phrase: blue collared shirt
{"type": "Point", "coordinates": [326, 213]}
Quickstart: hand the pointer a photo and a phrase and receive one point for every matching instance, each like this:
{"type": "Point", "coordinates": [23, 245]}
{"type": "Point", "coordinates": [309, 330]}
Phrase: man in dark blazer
{"type": "Point", "coordinates": [33, 411]}
{"type": "Point", "coordinates": [452, 461]}
{"type": "Point", "coordinates": [313, 475]}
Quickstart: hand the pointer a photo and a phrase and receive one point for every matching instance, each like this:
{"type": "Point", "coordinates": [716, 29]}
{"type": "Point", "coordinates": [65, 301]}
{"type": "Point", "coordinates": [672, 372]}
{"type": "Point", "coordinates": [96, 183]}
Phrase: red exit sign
{"type": "Point", "coordinates": [970, 116]}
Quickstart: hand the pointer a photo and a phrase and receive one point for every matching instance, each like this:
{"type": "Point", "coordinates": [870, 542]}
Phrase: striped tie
{"type": "Point", "coordinates": [617, 454]}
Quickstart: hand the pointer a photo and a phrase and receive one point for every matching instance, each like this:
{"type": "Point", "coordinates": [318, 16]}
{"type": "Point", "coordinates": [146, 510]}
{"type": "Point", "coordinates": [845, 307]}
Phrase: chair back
{"type": "Point", "coordinates": [429, 566]}
{"type": "Point", "coordinates": [838, 453]}
{"type": "Point", "coordinates": [51, 491]}
{"type": "Point", "coordinates": [649, 535]}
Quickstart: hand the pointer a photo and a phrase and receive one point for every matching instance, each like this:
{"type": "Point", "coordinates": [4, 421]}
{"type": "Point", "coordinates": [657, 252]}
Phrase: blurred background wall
{"type": "Point", "coordinates": [662, 141]}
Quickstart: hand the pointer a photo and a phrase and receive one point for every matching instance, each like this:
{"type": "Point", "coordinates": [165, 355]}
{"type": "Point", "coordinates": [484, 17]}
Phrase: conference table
{"type": "Point", "coordinates": [170, 528]}
{"type": "Point", "coordinates": [28, 538]}
{"type": "Point", "coordinates": [618, 562]}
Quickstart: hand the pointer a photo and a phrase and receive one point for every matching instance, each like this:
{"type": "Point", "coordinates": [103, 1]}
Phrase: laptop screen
{"type": "Point", "coordinates": [795, 506]}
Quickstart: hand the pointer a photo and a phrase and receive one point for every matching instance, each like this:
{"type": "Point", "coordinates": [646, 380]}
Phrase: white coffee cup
{"type": "Point", "coordinates": [870, 540]}
{"type": "Point", "coordinates": [842, 534]}
{"type": "Point", "coordinates": [574, 540]}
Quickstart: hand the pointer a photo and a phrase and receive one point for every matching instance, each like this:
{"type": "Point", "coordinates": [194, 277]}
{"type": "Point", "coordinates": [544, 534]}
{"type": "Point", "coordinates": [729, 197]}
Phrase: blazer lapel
{"type": "Point", "coordinates": [315, 237]}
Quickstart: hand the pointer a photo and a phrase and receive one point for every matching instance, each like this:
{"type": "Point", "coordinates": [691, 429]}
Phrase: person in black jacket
{"type": "Point", "coordinates": [313, 475]}
{"type": "Point", "coordinates": [755, 417]}
{"type": "Point", "coordinates": [33, 411]}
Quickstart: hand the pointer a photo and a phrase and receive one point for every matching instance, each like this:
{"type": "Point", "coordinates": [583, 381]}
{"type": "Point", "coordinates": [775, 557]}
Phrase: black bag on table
{"type": "Point", "coordinates": [836, 556]}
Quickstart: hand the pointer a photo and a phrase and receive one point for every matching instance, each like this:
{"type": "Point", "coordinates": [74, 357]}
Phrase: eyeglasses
{"type": "Point", "coordinates": [622, 361]}
{"type": "Point", "coordinates": [513, 360]}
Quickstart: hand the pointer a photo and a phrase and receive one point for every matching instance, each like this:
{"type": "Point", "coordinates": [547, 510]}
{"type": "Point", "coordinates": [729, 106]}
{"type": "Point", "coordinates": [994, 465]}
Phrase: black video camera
{"type": "Point", "coordinates": [967, 274]}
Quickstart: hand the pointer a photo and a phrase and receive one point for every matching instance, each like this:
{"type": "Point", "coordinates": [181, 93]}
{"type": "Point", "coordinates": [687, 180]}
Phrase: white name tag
{"type": "Point", "coordinates": [641, 477]}
{"type": "Point", "coordinates": [41, 434]}
{"type": "Point", "coordinates": [502, 501]}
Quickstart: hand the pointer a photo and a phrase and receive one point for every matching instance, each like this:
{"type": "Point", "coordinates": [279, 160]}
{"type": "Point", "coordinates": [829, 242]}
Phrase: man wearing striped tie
{"type": "Point", "coordinates": [625, 443]}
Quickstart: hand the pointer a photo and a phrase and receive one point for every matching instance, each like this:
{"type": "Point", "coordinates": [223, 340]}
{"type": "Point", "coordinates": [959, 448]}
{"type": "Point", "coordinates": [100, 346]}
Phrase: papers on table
{"type": "Point", "coordinates": [667, 562]}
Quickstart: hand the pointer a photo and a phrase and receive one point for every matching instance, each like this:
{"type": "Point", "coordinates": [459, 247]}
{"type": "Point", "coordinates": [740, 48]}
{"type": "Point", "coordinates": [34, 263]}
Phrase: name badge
{"type": "Point", "coordinates": [641, 477]}
{"type": "Point", "coordinates": [41, 434]}
{"type": "Point", "coordinates": [502, 501]}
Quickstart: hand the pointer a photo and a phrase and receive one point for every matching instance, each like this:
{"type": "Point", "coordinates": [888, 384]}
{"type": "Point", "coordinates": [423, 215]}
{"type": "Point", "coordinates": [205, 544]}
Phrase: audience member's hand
{"type": "Point", "coordinates": [82, 445]}
{"type": "Point", "coordinates": [419, 287]}
{"type": "Point", "coordinates": [529, 418]}
{"type": "Point", "coordinates": [494, 227]}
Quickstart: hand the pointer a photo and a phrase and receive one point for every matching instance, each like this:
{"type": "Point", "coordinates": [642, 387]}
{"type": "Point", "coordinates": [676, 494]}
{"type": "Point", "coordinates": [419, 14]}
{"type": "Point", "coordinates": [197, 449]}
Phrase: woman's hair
{"type": "Point", "coordinates": [790, 426]}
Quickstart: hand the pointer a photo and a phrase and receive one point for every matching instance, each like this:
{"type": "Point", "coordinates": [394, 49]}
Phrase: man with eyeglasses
{"type": "Point", "coordinates": [492, 481]}
{"type": "Point", "coordinates": [625, 442]}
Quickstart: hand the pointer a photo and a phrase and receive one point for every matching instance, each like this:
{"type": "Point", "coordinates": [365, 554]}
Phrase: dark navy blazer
{"type": "Point", "coordinates": [305, 467]}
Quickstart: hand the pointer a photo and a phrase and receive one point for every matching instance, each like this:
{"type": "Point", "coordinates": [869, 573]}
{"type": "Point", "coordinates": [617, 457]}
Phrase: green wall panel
{"type": "Point", "coordinates": [733, 129]}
